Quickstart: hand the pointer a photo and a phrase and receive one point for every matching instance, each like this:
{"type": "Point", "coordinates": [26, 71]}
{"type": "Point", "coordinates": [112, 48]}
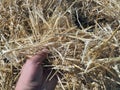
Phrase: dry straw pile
{"type": "Point", "coordinates": [82, 35]}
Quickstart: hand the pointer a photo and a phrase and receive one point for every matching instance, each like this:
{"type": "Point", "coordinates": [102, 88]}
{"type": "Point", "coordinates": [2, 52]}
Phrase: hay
{"type": "Point", "coordinates": [82, 35]}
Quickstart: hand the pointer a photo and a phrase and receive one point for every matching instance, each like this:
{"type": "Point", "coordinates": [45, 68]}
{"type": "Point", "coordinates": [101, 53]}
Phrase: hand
{"type": "Point", "coordinates": [34, 76]}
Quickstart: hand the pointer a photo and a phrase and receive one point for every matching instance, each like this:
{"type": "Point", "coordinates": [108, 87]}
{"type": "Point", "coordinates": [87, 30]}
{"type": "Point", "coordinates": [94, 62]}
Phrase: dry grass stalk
{"type": "Point", "coordinates": [82, 35]}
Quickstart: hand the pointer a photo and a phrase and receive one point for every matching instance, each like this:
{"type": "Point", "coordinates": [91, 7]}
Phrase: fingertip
{"type": "Point", "coordinates": [40, 56]}
{"type": "Point", "coordinates": [45, 50]}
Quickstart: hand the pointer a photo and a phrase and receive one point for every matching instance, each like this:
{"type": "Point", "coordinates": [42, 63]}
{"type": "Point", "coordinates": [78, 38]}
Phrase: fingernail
{"type": "Point", "coordinates": [45, 50]}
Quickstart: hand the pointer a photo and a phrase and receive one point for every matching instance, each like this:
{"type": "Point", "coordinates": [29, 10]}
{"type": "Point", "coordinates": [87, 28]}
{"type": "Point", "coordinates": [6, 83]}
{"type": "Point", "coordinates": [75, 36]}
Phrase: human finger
{"type": "Point", "coordinates": [31, 74]}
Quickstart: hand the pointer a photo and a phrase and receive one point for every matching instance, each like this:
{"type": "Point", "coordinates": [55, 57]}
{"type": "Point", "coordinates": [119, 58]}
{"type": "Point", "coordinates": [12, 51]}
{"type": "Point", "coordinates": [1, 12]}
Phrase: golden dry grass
{"type": "Point", "coordinates": [82, 35]}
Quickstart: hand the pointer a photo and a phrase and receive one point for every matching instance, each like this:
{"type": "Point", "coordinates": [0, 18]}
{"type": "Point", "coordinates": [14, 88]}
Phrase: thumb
{"type": "Point", "coordinates": [39, 57]}
{"type": "Point", "coordinates": [31, 74]}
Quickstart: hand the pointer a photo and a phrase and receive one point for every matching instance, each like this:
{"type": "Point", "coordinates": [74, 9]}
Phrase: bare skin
{"type": "Point", "coordinates": [34, 76]}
